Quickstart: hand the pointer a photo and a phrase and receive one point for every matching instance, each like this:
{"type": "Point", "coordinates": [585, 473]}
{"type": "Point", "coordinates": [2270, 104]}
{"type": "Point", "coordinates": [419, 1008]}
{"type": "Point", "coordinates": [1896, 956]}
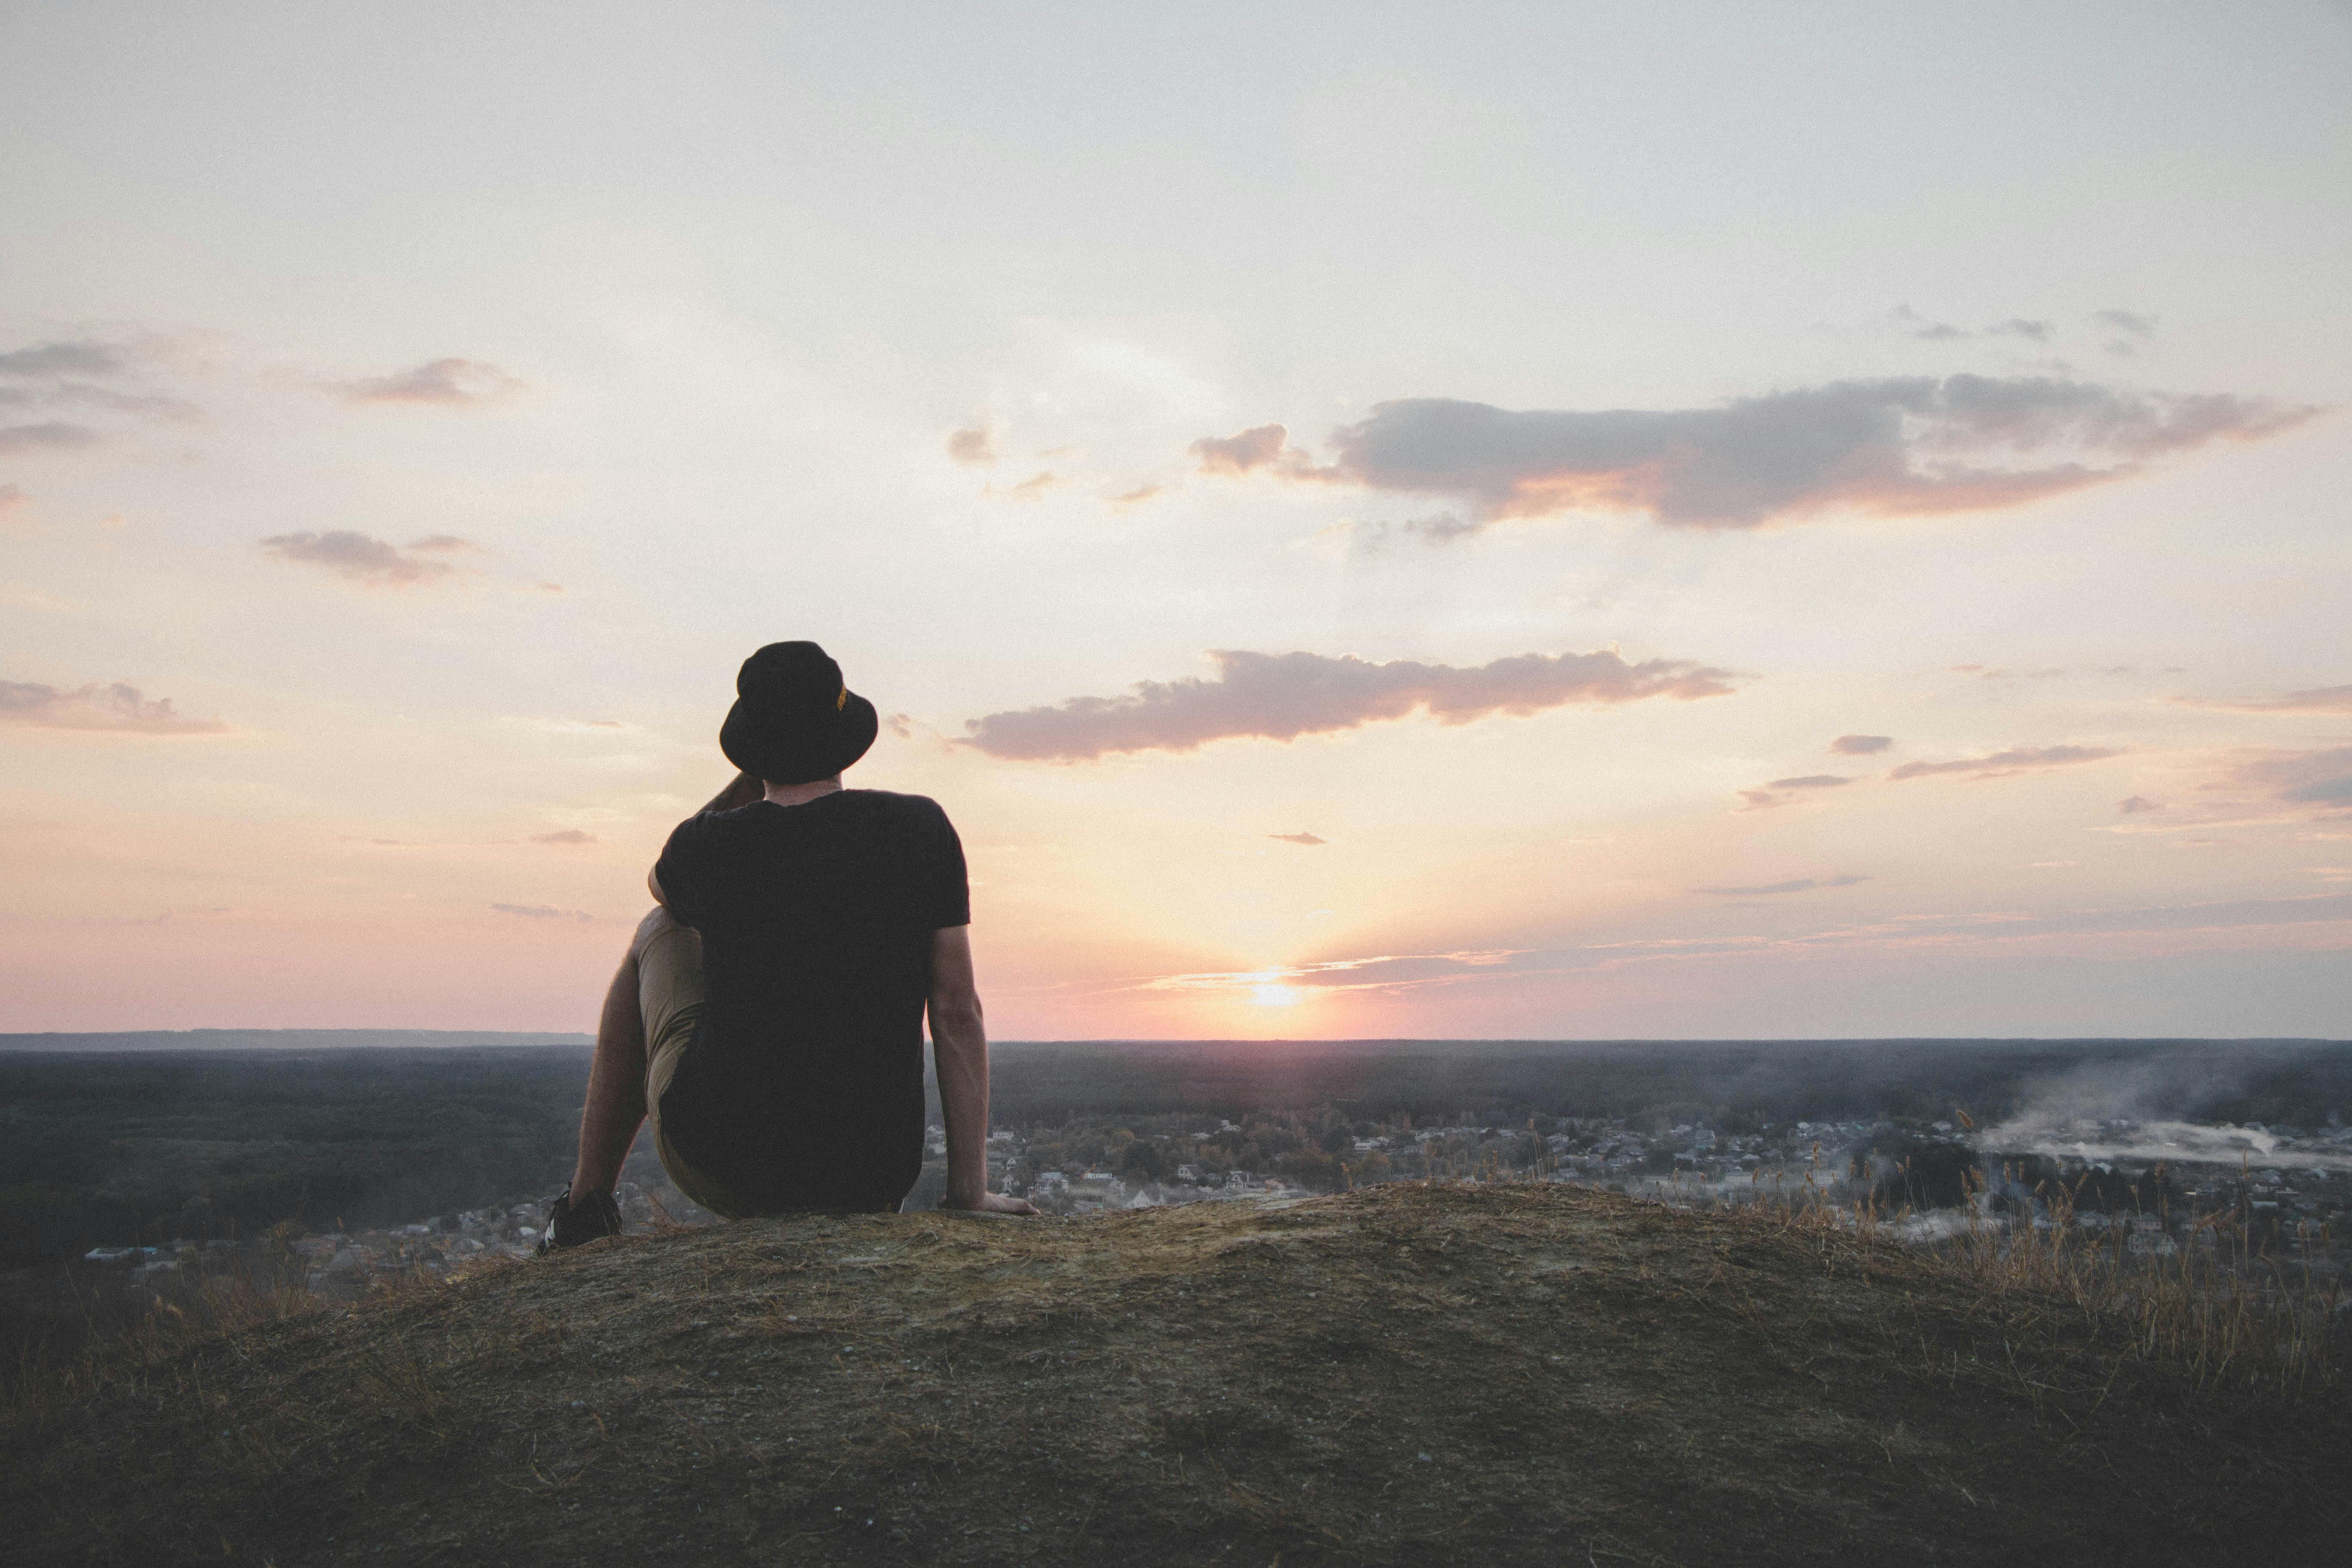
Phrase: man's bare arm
{"type": "Point", "coordinates": [960, 1048]}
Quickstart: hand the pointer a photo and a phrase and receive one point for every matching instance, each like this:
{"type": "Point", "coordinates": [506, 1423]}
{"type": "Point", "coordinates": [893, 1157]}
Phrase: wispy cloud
{"type": "Point", "coordinates": [2136, 804]}
{"type": "Point", "coordinates": [1780, 791]}
{"type": "Point", "coordinates": [1140, 494]}
{"type": "Point", "coordinates": [544, 913]}
{"type": "Point", "coordinates": [1767, 889]}
{"type": "Point", "coordinates": [60, 375]}
{"type": "Point", "coordinates": [373, 561]}
{"type": "Point", "coordinates": [1281, 696]}
{"type": "Point", "coordinates": [82, 357]}
{"type": "Point", "coordinates": [975, 445]}
{"type": "Point", "coordinates": [1394, 972]}
{"type": "Point", "coordinates": [2322, 778]}
{"type": "Point", "coordinates": [443, 382]}
{"type": "Point", "coordinates": [1895, 446]}
{"type": "Point", "coordinates": [50, 435]}
{"type": "Point", "coordinates": [2017, 759]}
{"type": "Point", "coordinates": [564, 835]}
{"type": "Point", "coordinates": [1306, 839]}
{"type": "Point", "coordinates": [1260, 447]}
{"type": "Point", "coordinates": [2228, 914]}
{"type": "Point", "coordinates": [1030, 489]}
{"type": "Point", "coordinates": [1861, 746]}
{"type": "Point", "coordinates": [2010, 930]}
{"type": "Point", "coordinates": [151, 404]}
{"type": "Point", "coordinates": [1919, 326]}
{"type": "Point", "coordinates": [2320, 700]}
{"type": "Point", "coordinates": [114, 709]}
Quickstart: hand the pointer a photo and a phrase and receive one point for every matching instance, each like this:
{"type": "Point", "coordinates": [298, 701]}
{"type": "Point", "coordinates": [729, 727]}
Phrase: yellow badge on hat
{"type": "Point", "coordinates": [841, 702]}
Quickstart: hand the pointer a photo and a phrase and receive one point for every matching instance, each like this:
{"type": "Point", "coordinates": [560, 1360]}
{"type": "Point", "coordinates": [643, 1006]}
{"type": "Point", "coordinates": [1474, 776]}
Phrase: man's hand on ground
{"type": "Point", "coordinates": [992, 1203]}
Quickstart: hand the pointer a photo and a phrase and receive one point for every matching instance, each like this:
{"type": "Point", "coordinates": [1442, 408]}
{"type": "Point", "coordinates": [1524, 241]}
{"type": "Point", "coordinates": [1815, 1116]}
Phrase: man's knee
{"type": "Point", "coordinates": [658, 922]}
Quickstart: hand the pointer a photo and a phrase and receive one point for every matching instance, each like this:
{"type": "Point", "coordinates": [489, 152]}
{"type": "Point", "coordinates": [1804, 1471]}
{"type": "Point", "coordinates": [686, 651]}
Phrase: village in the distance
{"type": "Point", "coordinates": [2151, 1188]}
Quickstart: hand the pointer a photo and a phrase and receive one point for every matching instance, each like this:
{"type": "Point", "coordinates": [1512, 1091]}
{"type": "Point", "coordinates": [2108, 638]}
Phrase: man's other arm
{"type": "Point", "coordinates": [960, 1048]}
{"type": "Point", "coordinates": [741, 792]}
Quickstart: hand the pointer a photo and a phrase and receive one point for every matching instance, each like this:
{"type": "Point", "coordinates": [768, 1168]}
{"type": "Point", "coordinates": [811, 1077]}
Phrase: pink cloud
{"type": "Point", "coordinates": [114, 709]}
{"type": "Point", "coordinates": [2319, 700]}
{"type": "Point", "coordinates": [976, 445]}
{"type": "Point", "coordinates": [1034, 486]}
{"type": "Point", "coordinates": [444, 383]}
{"type": "Point", "coordinates": [2016, 759]}
{"type": "Point", "coordinates": [372, 562]}
{"type": "Point", "coordinates": [1281, 696]}
{"type": "Point", "coordinates": [1896, 447]}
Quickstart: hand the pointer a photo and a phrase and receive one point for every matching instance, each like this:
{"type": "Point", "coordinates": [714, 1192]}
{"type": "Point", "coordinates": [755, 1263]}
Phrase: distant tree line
{"type": "Point", "coordinates": [153, 1146]}
{"type": "Point", "coordinates": [1735, 1087]}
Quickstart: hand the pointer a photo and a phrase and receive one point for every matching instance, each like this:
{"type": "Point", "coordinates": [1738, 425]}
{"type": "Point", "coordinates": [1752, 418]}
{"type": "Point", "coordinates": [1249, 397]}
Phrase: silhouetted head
{"type": "Point", "coordinates": [795, 721]}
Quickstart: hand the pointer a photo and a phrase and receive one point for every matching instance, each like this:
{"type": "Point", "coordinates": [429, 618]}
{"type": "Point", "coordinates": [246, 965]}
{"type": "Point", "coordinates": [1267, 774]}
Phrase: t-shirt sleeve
{"type": "Point", "coordinates": [681, 885]}
{"type": "Point", "coordinates": [946, 889]}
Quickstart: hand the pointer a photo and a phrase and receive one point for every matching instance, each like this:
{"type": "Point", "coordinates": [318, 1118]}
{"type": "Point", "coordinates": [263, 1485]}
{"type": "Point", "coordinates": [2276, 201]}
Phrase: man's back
{"type": "Point", "coordinates": [802, 1085]}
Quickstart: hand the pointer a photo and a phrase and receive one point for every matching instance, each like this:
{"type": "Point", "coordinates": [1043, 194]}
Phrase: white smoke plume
{"type": "Point", "coordinates": [2148, 1111]}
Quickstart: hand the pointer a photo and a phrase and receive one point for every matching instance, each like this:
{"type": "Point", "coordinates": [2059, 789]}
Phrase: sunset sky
{"type": "Point", "coordinates": [1437, 521]}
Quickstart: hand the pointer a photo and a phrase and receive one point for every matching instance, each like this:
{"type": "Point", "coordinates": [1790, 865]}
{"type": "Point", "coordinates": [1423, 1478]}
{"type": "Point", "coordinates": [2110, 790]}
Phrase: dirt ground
{"type": "Point", "coordinates": [1408, 1375]}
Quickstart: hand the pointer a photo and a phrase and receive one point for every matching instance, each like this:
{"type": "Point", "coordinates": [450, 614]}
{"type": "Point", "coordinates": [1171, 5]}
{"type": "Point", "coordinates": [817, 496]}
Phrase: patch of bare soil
{"type": "Point", "coordinates": [1403, 1375]}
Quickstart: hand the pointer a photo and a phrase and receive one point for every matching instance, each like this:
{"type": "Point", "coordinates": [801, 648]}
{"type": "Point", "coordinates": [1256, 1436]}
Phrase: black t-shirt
{"type": "Point", "coordinates": [803, 1086]}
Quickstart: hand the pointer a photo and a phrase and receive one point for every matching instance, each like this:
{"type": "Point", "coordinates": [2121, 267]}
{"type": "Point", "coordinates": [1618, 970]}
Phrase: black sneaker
{"type": "Point", "coordinates": [569, 1224]}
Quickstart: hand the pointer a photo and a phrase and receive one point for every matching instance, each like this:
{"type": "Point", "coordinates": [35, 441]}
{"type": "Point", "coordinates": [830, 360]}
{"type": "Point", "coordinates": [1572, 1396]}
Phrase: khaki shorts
{"type": "Point", "coordinates": [670, 999]}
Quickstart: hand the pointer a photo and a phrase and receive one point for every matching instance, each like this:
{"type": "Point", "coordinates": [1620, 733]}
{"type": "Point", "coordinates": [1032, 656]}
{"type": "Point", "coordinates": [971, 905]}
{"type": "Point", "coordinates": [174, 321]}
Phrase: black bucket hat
{"type": "Point", "coordinates": [794, 720]}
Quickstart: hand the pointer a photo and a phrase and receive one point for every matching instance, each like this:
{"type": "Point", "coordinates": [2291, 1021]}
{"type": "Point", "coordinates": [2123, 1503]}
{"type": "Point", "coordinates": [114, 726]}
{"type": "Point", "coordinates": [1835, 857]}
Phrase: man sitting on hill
{"type": "Point", "coordinates": [768, 1018]}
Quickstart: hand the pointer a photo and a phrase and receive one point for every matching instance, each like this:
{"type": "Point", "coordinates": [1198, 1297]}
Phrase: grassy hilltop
{"type": "Point", "coordinates": [1408, 1374]}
